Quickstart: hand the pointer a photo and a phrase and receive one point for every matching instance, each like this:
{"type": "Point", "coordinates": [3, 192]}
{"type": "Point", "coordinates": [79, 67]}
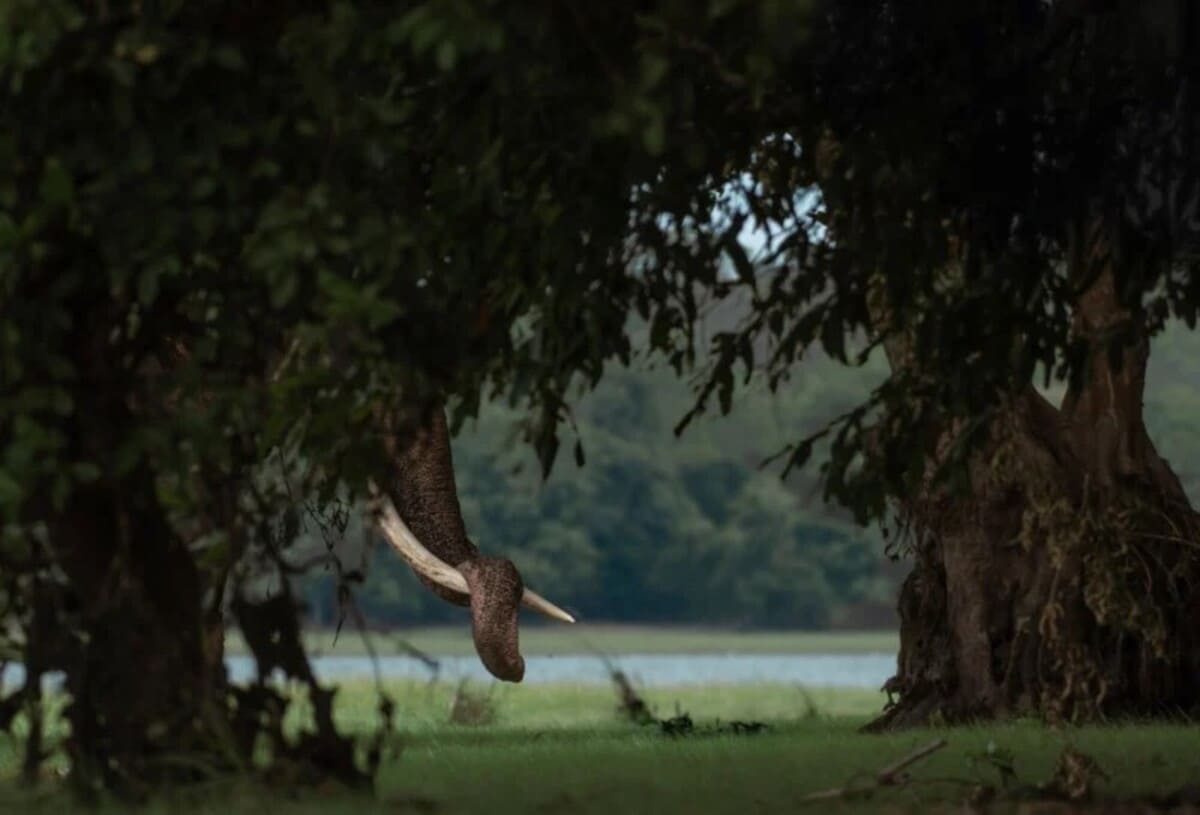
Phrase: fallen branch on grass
{"type": "Point", "coordinates": [892, 775]}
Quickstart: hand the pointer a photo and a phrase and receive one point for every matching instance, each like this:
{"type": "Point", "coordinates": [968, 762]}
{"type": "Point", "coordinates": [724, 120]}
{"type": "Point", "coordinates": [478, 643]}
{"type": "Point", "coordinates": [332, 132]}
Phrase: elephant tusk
{"type": "Point", "coordinates": [421, 560]}
{"type": "Point", "coordinates": [531, 599]}
{"type": "Point", "coordinates": [426, 563]}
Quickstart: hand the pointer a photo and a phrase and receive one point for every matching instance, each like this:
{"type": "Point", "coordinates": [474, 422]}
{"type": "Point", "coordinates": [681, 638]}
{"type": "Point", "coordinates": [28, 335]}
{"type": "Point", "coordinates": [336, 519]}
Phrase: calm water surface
{"type": "Point", "coordinates": [816, 670]}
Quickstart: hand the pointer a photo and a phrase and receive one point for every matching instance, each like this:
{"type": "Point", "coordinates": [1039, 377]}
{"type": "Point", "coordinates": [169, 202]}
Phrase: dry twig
{"type": "Point", "coordinates": [892, 775]}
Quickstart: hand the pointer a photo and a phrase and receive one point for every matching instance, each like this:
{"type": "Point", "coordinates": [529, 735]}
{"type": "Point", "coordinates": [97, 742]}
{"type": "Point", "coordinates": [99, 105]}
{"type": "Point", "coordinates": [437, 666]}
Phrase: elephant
{"type": "Point", "coordinates": [418, 513]}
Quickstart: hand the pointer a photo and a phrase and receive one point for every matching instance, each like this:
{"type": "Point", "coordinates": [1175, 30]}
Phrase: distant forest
{"type": "Point", "coordinates": [659, 529]}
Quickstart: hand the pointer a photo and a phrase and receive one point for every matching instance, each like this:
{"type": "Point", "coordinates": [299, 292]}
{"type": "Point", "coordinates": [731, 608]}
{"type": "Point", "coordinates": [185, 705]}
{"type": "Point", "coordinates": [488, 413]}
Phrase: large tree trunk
{"type": "Point", "coordinates": [144, 674]}
{"type": "Point", "coordinates": [145, 697]}
{"type": "Point", "coordinates": [1063, 581]}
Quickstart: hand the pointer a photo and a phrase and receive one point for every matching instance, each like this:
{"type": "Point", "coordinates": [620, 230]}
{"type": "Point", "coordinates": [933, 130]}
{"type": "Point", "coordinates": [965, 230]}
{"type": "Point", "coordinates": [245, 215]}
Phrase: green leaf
{"type": "Point", "coordinates": [654, 68]}
{"type": "Point", "coordinates": [229, 58]}
{"type": "Point", "coordinates": [11, 493]}
{"type": "Point", "coordinates": [654, 135]}
{"type": "Point", "coordinates": [57, 188]}
{"type": "Point", "coordinates": [147, 286]}
{"type": "Point", "coordinates": [203, 187]}
{"type": "Point", "coordinates": [833, 338]}
{"type": "Point", "coordinates": [86, 471]}
{"type": "Point", "coordinates": [447, 55]}
{"type": "Point", "coordinates": [147, 54]}
{"type": "Point", "coordinates": [127, 457]}
{"type": "Point", "coordinates": [9, 232]}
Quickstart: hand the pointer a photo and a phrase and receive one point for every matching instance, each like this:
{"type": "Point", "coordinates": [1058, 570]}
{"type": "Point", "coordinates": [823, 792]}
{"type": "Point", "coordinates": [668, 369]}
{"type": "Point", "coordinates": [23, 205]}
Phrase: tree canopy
{"type": "Point", "coordinates": [346, 200]}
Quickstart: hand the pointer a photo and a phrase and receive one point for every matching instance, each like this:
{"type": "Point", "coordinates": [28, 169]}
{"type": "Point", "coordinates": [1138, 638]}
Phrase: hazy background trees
{"type": "Point", "coordinates": [692, 529]}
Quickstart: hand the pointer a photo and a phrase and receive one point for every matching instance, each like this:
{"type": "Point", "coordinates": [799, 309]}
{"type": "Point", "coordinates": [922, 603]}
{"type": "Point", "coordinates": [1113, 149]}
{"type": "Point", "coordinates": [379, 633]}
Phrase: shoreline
{"type": "Point", "coordinates": [592, 639]}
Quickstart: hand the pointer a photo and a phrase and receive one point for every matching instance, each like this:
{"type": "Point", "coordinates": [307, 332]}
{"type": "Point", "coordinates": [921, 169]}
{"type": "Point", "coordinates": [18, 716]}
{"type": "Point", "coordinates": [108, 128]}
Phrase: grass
{"type": "Point", "coordinates": [606, 771]}
{"type": "Point", "coordinates": [562, 749]}
{"type": "Point", "coordinates": [609, 639]}
{"type": "Point", "coordinates": [422, 708]}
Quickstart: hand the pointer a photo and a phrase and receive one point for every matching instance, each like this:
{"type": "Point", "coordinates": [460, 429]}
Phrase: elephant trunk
{"type": "Point", "coordinates": [419, 513]}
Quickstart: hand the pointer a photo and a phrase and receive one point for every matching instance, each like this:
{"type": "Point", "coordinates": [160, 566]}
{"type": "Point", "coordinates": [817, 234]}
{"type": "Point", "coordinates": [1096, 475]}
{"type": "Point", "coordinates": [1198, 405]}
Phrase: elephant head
{"type": "Point", "coordinates": [418, 512]}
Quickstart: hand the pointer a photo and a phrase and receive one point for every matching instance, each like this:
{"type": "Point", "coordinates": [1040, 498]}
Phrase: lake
{"type": "Point", "coordinates": [868, 670]}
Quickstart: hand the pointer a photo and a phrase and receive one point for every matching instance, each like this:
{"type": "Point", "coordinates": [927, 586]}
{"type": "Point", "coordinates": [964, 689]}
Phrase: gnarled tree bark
{"type": "Point", "coordinates": [1063, 580]}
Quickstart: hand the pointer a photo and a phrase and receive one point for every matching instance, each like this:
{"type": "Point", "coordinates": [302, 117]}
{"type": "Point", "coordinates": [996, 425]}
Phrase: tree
{"type": "Point", "coordinates": [1088, 525]}
{"type": "Point", "coordinates": [231, 239]}
{"type": "Point", "coordinates": [990, 193]}
{"type": "Point", "coordinates": [340, 209]}
{"type": "Point", "coordinates": [986, 195]}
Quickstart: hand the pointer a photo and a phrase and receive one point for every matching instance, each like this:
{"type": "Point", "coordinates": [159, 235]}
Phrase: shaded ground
{"type": "Point", "coordinates": [562, 749]}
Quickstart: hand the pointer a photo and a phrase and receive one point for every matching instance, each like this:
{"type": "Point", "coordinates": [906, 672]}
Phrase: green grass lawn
{"type": "Point", "coordinates": [563, 749]}
{"type": "Point", "coordinates": [609, 639]}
